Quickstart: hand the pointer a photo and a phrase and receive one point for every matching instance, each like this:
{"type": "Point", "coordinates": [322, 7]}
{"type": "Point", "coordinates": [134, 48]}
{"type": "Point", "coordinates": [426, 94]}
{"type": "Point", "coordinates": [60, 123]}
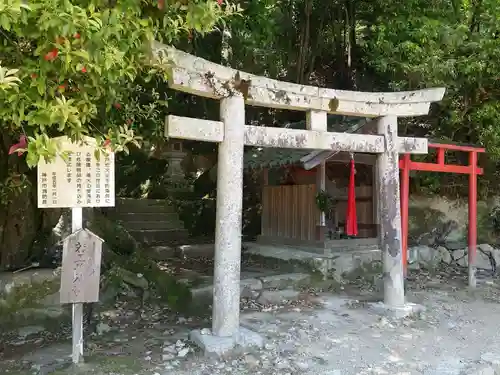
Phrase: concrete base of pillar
{"type": "Point", "coordinates": [223, 346]}
{"type": "Point", "coordinates": [408, 309]}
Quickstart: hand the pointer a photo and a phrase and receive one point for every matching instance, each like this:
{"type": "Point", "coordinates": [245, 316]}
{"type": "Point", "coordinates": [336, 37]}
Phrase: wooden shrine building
{"type": "Point", "coordinates": [295, 182]}
{"type": "Point", "coordinates": [298, 183]}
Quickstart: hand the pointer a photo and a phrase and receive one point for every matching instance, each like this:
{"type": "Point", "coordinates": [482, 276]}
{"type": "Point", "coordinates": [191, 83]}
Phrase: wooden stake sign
{"type": "Point", "coordinates": [78, 180]}
{"type": "Point", "coordinates": [81, 267]}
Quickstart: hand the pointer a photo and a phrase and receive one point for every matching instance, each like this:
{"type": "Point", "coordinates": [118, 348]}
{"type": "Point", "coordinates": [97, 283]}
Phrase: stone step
{"type": "Point", "coordinates": [154, 225]}
{"type": "Point", "coordinates": [145, 209]}
{"type": "Point", "coordinates": [157, 237]}
{"type": "Point", "coordinates": [353, 244]}
{"type": "Point", "coordinates": [143, 206]}
{"type": "Point", "coordinates": [336, 264]}
{"type": "Point", "coordinates": [127, 217]}
{"type": "Point", "coordinates": [272, 289]}
{"type": "Point", "coordinates": [339, 249]}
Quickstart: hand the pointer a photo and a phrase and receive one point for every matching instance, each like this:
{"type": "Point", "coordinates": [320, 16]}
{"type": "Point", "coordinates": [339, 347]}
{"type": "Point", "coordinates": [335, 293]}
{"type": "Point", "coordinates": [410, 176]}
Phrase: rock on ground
{"type": "Point", "coordinates": [29, 296]}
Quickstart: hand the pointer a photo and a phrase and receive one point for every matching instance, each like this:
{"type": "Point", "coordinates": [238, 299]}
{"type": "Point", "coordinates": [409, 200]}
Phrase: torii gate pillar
{"type": "Point", "coordinates": [390, 214]}
{"type": "Point", "coordinates": [226, 305]}
{"type": "Point", "coordinates": [226, 330]}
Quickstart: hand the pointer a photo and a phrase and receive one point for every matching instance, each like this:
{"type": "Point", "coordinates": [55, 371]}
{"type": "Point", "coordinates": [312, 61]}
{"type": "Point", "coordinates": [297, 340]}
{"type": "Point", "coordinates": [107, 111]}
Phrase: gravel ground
{"type": "Point", "coordinates": [456, 335]}
{"type": "Point", "coordinates": [329, 334]}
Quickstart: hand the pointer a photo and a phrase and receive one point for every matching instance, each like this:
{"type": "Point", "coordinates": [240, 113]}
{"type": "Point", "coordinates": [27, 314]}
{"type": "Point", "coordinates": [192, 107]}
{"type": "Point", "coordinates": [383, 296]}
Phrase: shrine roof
{"type": "Point", "coordinates": [256, 157]}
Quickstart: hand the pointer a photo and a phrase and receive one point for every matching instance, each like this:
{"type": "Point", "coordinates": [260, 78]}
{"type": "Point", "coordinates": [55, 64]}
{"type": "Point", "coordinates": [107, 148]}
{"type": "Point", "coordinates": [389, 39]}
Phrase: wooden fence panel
{"type": "Point", "coordinates": [289, 211]}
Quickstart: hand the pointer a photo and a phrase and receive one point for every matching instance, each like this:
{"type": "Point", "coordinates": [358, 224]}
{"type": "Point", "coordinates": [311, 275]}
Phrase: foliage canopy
{"type": "Point", "coordinates": [69, 67]}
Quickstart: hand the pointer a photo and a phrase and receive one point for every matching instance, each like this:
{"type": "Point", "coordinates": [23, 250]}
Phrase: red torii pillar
{"type": "Point", "coordinates": [406, 165]}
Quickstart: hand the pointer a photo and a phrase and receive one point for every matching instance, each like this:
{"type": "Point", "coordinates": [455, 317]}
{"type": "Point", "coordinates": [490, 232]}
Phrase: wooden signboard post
{"type": "Point", "coordinates": [77, 181]}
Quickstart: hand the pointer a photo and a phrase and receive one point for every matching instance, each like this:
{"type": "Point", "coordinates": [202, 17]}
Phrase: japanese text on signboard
{"type": "Point", "coordinates": [81, 268]}
{"type": "Point", "coordinates": [79, 180]}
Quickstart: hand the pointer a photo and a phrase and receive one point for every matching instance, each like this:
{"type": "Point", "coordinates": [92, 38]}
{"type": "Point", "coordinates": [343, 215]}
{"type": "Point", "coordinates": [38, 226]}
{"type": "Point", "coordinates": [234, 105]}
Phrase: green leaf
{"type": "Point", "coordinates": [82, 53]}
{"type": "Point", "coordinates": [32, 160]}
{"type": "Point", "coordinates": [5, 22]}
{"type": "Point", "coordinates": [40, 86]}
{"type": "Point", "coordinates": [67, 61]}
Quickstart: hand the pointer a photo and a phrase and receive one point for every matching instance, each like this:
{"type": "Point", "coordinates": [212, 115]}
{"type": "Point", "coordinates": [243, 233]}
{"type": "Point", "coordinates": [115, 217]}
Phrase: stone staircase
{"type": "Point", "coordinates": [150, 221]}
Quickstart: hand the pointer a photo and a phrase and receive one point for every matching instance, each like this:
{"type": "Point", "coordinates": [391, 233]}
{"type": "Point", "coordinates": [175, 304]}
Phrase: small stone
{"type": "Point", "coordinates": [170, 349]}
{"type": "Point", "coordinates": [383, 321]}
{"type": "Point", "coordinates": [289, 347]}
{"type": "Point", "coordinates": [206, 331]}
{"type": "Point", "coordinates": [444, 255]}
{"type": "Point", "coordinates": [147, 358]}
{"type": "Point", "coordinates": [167, 357]}
{"type": "Point", "coordinates": [285, 280]}
{"type": "Point", "coordinates": [30, 330]}
{"type": "Point", "coordinates": [179, 344]}
{"type": "Point", "coordinates": [183, 352]}
{"type": "Point", "coordinates": [35, 366]}
{"type": "Point", "coordinates": [251, 284]}
{"type": "Point", "coordinates": [282, 365]}
{"type": "Point", "coordinates": [302, 365]}
{"type": "Point", "coordinates": [483, 370]}
{"type": "Point", "coordinates": [266, 364]}
{"type": "Point", "coordinates": [278, 296]}
{"type": "Point", "coordinates": [251, 361]}
{"type": "Point", "coordinates": [102, 328]}
{"type": "Point", "coordinates": [492, 358]}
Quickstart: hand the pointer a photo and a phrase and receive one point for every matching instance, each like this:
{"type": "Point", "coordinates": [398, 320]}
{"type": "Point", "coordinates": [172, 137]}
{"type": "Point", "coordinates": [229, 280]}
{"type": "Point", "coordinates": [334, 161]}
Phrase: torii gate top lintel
{"type": "Point", "coordinates": [201, 77]}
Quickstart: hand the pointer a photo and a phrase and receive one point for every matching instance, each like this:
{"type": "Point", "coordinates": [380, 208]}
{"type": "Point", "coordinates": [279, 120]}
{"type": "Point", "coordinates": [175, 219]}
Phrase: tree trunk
{"type": "Point", "coordinates": [21, 222]}
{"type": "Point", "coordinates": [18, 230]}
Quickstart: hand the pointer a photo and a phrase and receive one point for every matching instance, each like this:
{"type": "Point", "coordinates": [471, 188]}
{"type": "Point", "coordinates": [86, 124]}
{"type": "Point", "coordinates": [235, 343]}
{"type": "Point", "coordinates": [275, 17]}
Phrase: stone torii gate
{"type": "Point", "coordinates": [234, 89]}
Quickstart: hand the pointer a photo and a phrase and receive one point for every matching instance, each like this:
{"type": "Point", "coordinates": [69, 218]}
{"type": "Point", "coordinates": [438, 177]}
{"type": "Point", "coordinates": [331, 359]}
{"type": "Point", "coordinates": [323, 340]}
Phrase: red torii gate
{"type": "Point", "coordinates": [406, 165]}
